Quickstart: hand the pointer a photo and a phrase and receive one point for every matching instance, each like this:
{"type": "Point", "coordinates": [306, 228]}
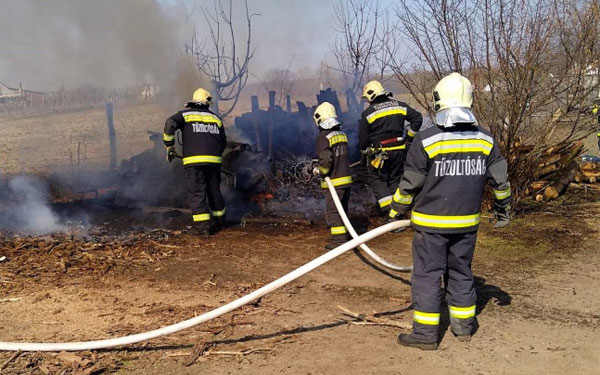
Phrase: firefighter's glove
{"type": "Point", "coordinates": [502, 212]}
{"type": "Point", "coordinates": [395, 216]}
{"type": "Point", "coordinates": [171, 153]}
{"type": "Point", "coordinates": [325, 162]}
{"type": "Point", "coordinates": [398, 210]}
{"type": "Point", "coordinates": [316, 171]}
{"type": "Point", "coordinates": [502, 219]}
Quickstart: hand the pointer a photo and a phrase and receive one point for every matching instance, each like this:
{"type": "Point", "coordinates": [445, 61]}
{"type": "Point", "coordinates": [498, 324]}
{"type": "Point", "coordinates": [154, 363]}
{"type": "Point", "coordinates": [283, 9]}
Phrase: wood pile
{"type": "Point", "coordinates": [561, 167]}
{"type": "Point", "coordinates": [589, 172]}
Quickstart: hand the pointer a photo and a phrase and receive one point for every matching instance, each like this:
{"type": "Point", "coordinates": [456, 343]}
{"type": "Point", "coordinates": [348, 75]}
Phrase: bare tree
{"type": "Point", "coordinates": [218, 55]}
{"type": "Point", "coordinates": [363, 30]}
{"type": "Point", "coordinates": [279, 80]}
{"type": "Point", "coordinates": [528, 61]}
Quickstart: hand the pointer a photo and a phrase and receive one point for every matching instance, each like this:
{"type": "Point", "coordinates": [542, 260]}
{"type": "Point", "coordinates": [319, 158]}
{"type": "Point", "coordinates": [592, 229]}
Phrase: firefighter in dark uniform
{"type": "Point", "coordinates": [204, 140]}
{"type": "Point", "coordinates": [446, 171]}
{"type": "Point", "coordinates": [596, 112]}
{"type": "Point", "coordinates": [332, 151]}
{"type": "Point", "coordinates": [382, 138]}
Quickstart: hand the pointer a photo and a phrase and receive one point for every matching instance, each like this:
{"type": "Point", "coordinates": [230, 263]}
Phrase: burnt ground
{"type": "Point", "coordinates": [538, 284]}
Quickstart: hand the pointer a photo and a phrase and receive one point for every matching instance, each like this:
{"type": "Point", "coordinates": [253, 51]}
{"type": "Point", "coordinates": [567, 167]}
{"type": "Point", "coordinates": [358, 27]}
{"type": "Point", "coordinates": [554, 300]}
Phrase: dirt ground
{"type": "Point", "coordinates": [538, 285]}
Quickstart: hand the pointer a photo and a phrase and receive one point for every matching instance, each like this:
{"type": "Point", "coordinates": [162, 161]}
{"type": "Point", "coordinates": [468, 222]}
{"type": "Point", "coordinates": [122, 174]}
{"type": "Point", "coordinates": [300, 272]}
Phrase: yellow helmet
{"type": "Point", "coordinates": [452, 91]}
{"type": "Point", "coordinates": [372, 90]}
{"type": "Point", "coordinates": [202, 97]}
{"type": "Point", "coordinates": [325, 116]}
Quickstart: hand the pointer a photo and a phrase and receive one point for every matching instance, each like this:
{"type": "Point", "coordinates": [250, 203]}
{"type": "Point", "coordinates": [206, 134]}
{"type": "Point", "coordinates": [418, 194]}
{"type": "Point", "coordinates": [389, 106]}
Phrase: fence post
{"type": "Point", "coordinates": [111, 135]}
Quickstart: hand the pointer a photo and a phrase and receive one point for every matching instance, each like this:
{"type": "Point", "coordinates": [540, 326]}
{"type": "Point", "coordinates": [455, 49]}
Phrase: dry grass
{"type": "Point", "coordinates": [51, 142]}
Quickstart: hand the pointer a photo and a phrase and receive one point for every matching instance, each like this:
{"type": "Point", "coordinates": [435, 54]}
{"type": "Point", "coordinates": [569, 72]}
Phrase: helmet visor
{"type": "Point", "coordinates": [451, 116]}
{"type": "Point", "coordinates": [329, 123]}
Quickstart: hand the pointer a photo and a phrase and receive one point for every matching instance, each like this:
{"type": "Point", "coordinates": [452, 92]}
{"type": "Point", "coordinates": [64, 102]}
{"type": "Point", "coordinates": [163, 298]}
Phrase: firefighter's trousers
{"type": "Point", "coordinates": [203, 184]}
{"type": "Point", "coordinates": [384, 181]}
{"type": "Point", "coordinates": [448, 257]}
{"type": "Point", "coordinates": [332, 218]}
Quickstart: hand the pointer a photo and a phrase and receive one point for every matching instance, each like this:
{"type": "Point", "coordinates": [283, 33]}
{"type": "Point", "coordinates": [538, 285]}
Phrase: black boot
{"type": "Point", "coordinates": [335, 240]}
{"type": "Point", "coordinates": [201, 229]}
{"type": "Point", "coordinates": [412, 342]}
{"type": "Point", "coordinates": [217, 225]}
{"type": "Point", "coordinates": [463, 329]}
{"type": "Point", "coordinates": [463, 338]}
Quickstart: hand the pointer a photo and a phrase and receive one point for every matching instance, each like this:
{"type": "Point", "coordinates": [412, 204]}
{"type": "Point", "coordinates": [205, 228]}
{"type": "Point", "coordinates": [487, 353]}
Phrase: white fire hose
{"type": "Point", "coordinates": [132, 339]}
{"type": "Point", "coordinates": [364, 247]}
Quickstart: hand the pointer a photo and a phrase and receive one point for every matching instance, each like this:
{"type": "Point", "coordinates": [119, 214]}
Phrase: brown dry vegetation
{"type": "Point", "coordinates": [51, 142]}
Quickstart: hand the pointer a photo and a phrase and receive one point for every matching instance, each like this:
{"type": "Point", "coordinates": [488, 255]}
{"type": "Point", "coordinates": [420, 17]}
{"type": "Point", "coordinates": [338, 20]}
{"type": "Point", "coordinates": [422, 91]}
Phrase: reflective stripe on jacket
{"type": "Point", "coordinates": [445, 175]}
{"type": "Point", "coordinates": [332, 152]}
{"type": "Point", "coordinates": [384, 119]}
{"type": "Point", "coordinates": [203, 135]}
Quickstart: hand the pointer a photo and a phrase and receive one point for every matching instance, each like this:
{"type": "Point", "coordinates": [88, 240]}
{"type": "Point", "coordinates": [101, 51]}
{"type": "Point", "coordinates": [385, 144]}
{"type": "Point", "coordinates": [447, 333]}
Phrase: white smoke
{"type": "Point", "coordinates": [27, 209]}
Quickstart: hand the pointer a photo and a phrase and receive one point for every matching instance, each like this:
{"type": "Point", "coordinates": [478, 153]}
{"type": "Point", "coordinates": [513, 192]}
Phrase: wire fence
{"type": "Point", "coordinates": [31, 104]}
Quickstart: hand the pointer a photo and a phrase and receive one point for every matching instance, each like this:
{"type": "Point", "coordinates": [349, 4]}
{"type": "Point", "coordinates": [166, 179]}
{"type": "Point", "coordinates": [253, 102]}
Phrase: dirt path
{"type": "Point", "coordinates": [538, 288]}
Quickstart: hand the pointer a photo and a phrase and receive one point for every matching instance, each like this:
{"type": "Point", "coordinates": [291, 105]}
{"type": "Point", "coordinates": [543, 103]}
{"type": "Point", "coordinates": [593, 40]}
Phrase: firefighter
{"type": "Point", "coordinates": [332, 151]}
{"type": "Point", "coordinates": [382, 138]}
{"type": "Point", "coordinates": [444, 179]}
{"type": "Point", "coordinates": [204, 141]}
{"type": "Point", "coordinates": [596, 112]}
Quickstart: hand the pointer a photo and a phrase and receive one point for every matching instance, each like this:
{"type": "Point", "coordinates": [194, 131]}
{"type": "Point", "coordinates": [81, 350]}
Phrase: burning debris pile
{"type": "Point", "coordinates": [294, 173]}
{"type": "Point", "coordinates": [270, 174]}
{"type": "Point", "coordinates": [278, 133]}
{"type": "Point", "coordinates": [285, 141]}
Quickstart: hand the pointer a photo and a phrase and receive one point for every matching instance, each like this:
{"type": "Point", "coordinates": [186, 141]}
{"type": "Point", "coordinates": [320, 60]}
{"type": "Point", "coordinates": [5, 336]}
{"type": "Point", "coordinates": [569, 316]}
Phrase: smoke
{"type": "Point", "coordinates": [26, 207]}
{"type": "Point", "coordinates": [54, 44]}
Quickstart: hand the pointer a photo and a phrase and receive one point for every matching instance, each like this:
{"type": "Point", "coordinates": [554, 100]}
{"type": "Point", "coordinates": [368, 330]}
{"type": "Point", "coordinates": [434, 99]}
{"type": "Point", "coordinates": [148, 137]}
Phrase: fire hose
{"type": "Point", "coordinates": [132, 339]}
{"type": "Point", "coordinates": [363, 246]}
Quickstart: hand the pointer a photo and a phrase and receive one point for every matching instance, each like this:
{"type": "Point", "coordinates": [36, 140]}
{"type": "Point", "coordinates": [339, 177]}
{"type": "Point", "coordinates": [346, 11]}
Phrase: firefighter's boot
{"type": "Point", "coordinates": [336, 240]}
{"type": "Point", "coordinates": [463, 338]}
{"type": "Point", "coordinates": [201, 229]}
{"type": "Point", "coordinates": [463, 328]}
{"type": "Point", "coordinates": [217, 225]}
{"type": "Point", "coordinates": [410, 341]}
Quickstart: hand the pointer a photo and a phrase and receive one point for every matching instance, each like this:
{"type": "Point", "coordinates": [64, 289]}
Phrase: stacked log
{"type": "Point", "coordinates": [589, 172]}
{"type": "Point", "coordinates": [557, 169]}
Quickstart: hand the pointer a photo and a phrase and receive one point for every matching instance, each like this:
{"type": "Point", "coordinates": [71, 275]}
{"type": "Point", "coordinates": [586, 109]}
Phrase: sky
{"type": "Point", "coordinates": [50, 44]}
{"type": "Point", "coordinates": [288, 32]}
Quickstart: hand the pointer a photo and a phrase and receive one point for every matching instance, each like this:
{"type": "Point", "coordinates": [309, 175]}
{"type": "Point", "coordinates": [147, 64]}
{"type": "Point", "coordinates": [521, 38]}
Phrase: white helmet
{"type": "Point", "coordinates": [201, 97]}
{"type": "Point", "coordinates": [372, 90]}
{"type": "Point", "coordinates": [452, 91]}
{"type": "Point", "coordinates": [325, 116]}
{"type": "Point", "coordinates": [452, 100]}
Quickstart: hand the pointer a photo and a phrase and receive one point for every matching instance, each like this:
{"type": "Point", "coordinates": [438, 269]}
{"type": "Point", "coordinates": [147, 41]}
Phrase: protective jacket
{"type": "Point", "coordinates": [332, 151]}
{"type": "Point", "coordinates": [445, 175]}
{"type": "Point", "coordinates": [203, 134]}
{"type": "Point", "coordinates": [384, 120]}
